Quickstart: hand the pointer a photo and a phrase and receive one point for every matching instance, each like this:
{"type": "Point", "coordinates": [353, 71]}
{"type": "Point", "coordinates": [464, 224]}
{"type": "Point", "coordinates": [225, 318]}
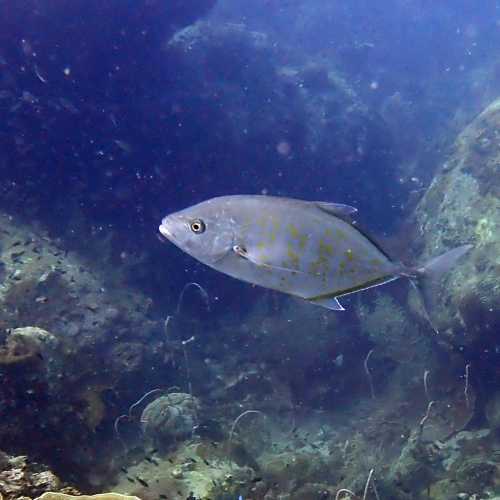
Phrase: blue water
{"type": "Point", "coordinates": [109, 120]}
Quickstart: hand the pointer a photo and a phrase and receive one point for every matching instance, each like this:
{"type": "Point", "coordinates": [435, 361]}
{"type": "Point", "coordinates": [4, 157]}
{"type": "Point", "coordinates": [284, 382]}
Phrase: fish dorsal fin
{"type": "Point", "coordinates": [329, 302]}
{"type": "Point", "coordinates": [340, 210]}
{"type": "Point", "coordinates": [346, 213]}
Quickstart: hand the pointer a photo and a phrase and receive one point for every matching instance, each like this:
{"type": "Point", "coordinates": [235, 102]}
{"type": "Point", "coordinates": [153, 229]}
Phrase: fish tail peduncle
{"type": "Point", "coordinates": [424, 277]}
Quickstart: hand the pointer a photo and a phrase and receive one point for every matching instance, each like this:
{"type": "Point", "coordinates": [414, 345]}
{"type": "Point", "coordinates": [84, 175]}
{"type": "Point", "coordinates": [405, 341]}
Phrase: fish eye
{"type": "Point", "coordinates": [197, 226]}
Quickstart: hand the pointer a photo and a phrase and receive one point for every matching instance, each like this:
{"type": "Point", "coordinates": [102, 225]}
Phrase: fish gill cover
{"type": "Point", "coordinates": [125, 366]}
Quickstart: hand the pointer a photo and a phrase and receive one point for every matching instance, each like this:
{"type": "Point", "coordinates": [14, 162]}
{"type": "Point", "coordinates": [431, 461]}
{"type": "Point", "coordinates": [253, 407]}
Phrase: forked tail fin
{"type": "Point", "coordinates": [441, 264]}
{"type": "Point", "coordinates": [422, 278]}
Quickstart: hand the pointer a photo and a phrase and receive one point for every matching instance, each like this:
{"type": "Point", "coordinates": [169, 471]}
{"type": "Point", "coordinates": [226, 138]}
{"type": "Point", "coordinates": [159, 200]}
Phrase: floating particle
{"type": "Point", "coordinates": [284, 148]}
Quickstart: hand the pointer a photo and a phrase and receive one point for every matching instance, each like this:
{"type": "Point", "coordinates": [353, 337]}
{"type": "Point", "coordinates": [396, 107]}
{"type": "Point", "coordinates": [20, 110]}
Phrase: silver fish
{"type": "Point", "coordinates": [311, 250]}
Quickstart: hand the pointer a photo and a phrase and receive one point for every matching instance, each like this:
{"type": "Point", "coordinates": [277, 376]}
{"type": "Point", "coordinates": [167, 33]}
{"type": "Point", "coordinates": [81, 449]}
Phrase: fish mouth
{"type": "Point", "coordinates": [165, 232]}
{"type": "Point", "coordinates": [161, 238]}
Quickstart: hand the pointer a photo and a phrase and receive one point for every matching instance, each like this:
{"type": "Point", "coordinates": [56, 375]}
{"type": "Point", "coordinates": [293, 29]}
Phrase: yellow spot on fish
{"type": "Point", "coordinates": [294, 232]}
{"type": "Point", "coordinates": [349, 254]}
{"type": "Point", "coordinates": [261, 222]}
{"type": "Point", "coordinates": [302, 241]}
{"type": "Point", "coordinates": [328, 233]}
{"type": "Point", "coordinates": [325, 248]}
{"type": "Point", "coordinates": [320, 265]}
{"type": "Point", "coordinates": [294, 258]}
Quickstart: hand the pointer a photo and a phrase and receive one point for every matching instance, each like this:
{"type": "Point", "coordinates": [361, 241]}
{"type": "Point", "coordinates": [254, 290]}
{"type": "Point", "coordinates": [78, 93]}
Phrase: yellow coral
{"type": "Point", "coordinates": [102, 496]}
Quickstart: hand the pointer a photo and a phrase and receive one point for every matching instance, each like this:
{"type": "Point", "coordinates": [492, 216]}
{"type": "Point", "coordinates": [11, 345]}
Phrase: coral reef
{"type": "Point", "coordinates": [462, 205]}
{"type": "Point", "coordinates": [202, 470]}
{"type": "Point", "coordinates": [170, 418]}
{"type": "Point", "coordinates": [100, 496]}
{"type": "Point", "coordinates": [275, 398]}
{"type": "Point", "coordinates": [21, 478]}
{"type": "Point", "coordinates": [58, 314]}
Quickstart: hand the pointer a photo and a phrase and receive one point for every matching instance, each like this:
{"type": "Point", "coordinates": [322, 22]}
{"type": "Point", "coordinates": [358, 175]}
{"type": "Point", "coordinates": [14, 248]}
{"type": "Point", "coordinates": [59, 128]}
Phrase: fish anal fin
{"type": "Point", "coordinates": [337, 209]}
{"type": "Point", "coordinates": [328, 302]}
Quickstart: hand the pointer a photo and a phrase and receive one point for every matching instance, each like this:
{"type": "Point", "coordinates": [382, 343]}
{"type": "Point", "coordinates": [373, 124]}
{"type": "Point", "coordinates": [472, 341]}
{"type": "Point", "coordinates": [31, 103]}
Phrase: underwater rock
{"type": "Point", "coordinates": [298, 111]}
{"type": "Point", "coordinates": [416, 466]}
{"type": "Point", "coordinates": [31, 346]}
{"type": "Point", "coordinates": [492, 411]}
{"type": "Point", "coordinates": [77, 318]}
{"type": "Point", "coordinates": [391, 326]}
{"type": "Point", "coordinates": [313, 491]}
{"type": "Point", "coordinates": [465, 445]}
{"type": "Point", "coordinates": [272, 383]}
{"type": "Point", "coordinates": [467, 466]}
{"type": "Point", "coordinates": [170, 418]}
{"type": "Point", "coordinates": [100, 496]}
{"type": "Point", "coordinates": [127, 356]}
{"type": "Point", "coordinates": [295, 470]}
{"type": "Point", "coordinates": [201, 470]}
{"type": "Point", "coordinates": [19, 477]}
{"type": "Point", "coordinates": [462, 205]}
{"type": "Point", "coordinates": [19, 350]}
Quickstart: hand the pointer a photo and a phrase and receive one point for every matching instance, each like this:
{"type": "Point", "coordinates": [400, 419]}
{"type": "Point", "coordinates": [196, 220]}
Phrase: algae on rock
{"type": "Point", "coordinates": [462, 205]}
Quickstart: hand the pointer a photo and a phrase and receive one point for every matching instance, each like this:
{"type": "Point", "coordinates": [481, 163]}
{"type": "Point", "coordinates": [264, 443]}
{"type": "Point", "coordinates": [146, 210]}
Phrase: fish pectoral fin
{"type": "Point", "coordinates": [328, 302]}
{"type": "Point", "coordinates": [243, 253]}
{"type": "Point", "coordinates": [337, 209]}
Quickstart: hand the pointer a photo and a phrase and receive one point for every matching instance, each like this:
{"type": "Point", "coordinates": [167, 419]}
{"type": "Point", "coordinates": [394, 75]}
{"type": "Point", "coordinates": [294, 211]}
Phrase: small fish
{"type": "Point", "coordinates": [130, 479]}
{"type": "Point", "coordinates": [311, 250]}
{"type": "Point", "coordinates": [68, 105]}
{"type": "Point", "coordinates": [124, 146]}
{"type": "Point", "coordinates": [339, 361]}
{"type": "Point", "coordinates": [124, 469]}
{"type": "Point", "coordinates": [141, 481]}
{"type": "Point", "coordinates": [39, 74]}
